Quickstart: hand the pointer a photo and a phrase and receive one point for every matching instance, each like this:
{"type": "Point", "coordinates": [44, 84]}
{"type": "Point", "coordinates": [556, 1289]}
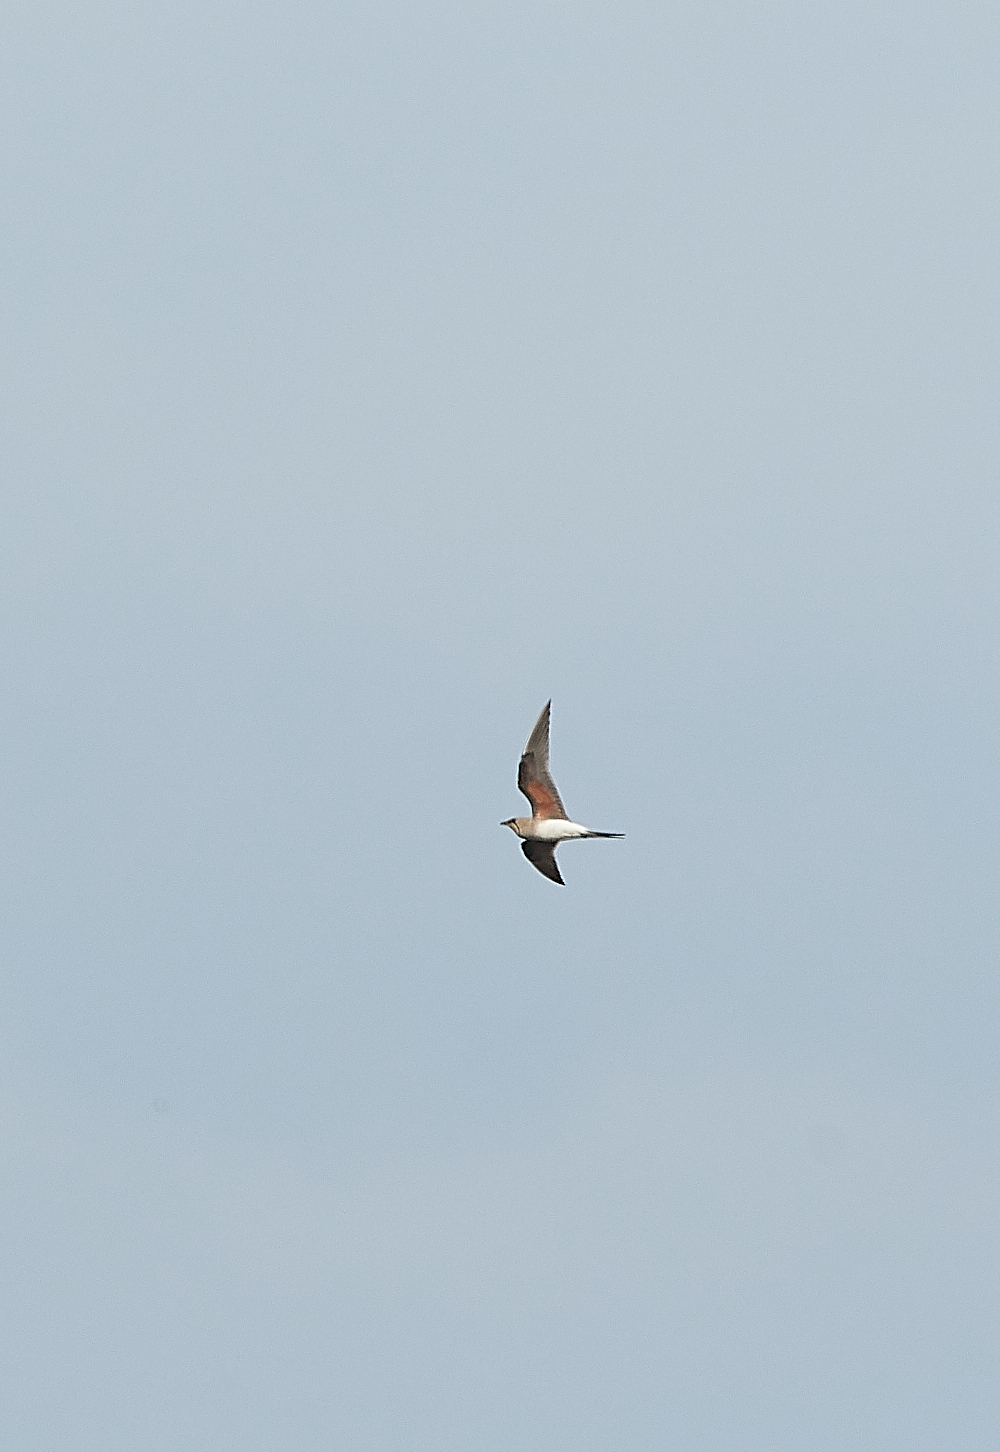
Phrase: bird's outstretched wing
{"type": "Point", "coordinates": [543, 856]}
{"type": "Point", "coordinates": [533, 777]}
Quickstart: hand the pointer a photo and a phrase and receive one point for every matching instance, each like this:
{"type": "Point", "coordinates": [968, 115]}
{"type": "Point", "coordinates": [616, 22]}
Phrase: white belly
{"type": "Point", "coordinates": [548, 829]}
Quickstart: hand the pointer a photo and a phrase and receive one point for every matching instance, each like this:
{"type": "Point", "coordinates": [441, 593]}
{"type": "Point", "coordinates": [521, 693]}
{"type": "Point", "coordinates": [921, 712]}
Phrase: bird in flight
{"type": "Point", "coordinates": [548, 824]}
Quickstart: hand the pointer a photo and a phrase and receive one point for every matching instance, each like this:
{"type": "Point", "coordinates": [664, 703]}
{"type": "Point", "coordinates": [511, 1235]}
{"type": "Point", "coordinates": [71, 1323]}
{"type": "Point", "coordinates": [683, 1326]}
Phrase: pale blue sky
{"type": "Point", "coordinates": [372, 373]}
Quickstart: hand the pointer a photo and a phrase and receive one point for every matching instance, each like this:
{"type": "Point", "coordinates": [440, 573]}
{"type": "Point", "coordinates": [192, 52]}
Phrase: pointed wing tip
{"type": "Point", "coordinates": [542, 856]}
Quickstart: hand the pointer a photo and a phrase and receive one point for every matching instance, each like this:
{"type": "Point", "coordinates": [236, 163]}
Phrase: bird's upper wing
{"type": "Point", "coordinates": [533, 773]}
{"type": "Point", "coordinates": [543, 856]}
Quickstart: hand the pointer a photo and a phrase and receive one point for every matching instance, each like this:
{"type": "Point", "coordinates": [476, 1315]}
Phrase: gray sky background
{"type": "Point", "coordinates": [371, 373]}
